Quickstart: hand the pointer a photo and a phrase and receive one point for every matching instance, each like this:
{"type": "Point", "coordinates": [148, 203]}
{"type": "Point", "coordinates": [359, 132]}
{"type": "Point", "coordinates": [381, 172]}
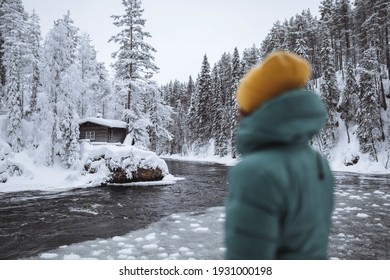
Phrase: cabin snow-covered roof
{"type": "Point", "coordinates": [104, 122]}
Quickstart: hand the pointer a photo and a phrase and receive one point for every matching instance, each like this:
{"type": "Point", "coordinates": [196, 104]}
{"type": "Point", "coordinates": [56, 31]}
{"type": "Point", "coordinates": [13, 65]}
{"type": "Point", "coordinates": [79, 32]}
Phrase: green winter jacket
{"type": "Point", "coordinates": [281, 193]}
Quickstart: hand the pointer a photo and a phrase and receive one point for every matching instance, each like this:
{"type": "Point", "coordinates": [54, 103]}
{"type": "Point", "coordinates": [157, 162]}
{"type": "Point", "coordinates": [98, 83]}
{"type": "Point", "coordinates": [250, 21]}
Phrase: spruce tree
{"type": "Point", "coordinates": [301, 45]}
{"type": "Point", "coordinates": [205, 95]}
{"type": "Point", "coordinates": [217, 113]}
{"type": "Point", "coordinates": [226, 80]}
{"type": "Point", "coordinates": [236, 76]}
{"type": "Point", "coordinates": [160, 119]}
{"type": "Point", "coordinates": [15, 60]}
{"type": "Point", "coordinates": [192, 116]}
{"type": "Point", "coordinates": [250, 58]}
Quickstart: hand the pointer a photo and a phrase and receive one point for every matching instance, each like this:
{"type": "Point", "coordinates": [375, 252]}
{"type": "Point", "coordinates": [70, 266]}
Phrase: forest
{"type": "Point", "coordinates": [48, 84]}
{"type": "Point", "coordinates": [348, 48]}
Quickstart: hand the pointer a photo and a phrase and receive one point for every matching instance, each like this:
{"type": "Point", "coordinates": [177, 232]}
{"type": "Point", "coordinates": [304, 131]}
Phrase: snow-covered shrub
{"type": "Point", "coordinates": [5, 150]}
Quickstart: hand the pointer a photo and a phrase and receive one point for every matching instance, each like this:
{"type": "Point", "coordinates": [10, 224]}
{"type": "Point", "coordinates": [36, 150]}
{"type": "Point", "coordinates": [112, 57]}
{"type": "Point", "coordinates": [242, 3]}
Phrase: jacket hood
{"type": "Point", "coordinates": [292, 118]}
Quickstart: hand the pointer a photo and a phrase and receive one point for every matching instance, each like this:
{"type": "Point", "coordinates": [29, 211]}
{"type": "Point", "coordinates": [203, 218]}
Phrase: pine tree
{"type": "Point", "coordinates": [312, 40]}
{"type": "Point", "coordinates": [350, 101]}
{"type": "Point", "coordinates": [134, 66]}
{"type": "Point", "coordinates": [134, 57]}
{"type": "Point", "coordinates": [329, 93]}
{"type": "Point", "coordinates": [301, 46]}
{"type": "Point", "coordinates": [369, 115]}
{"type": "Point", "coordinates": [343, 21]}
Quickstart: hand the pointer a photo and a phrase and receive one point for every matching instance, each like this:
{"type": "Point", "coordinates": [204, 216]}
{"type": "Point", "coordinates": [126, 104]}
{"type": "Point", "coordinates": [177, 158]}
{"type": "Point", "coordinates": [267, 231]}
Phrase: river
{"type": "Point", "coordinates": [36, 222]}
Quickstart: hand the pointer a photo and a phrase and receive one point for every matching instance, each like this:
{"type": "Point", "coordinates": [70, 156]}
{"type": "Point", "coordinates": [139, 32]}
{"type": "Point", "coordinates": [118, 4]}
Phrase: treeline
{"type": "Point", "coordinates": [348, 47]}
{"type": "Point", "coordinates": [206, 108]}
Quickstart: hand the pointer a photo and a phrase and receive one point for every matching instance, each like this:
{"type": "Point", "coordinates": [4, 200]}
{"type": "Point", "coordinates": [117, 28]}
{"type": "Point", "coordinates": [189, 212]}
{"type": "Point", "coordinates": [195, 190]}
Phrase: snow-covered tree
{"type": "Point", "coordinates": [135, 60]}
{"type": "Point", "coordinates": [301, 46]}
{"type": "Point", "coordinates": [250, 57]}
{"type": "Point", "coordinates": [192, 114]}
{"type": "Point", "coordinates": [236, 76]}
{"type": "Point", "coordinates": [104, 92]}
{"type": "Point", "coordinates": [370, 130]}
{"type": "Point", "coordinates": [226, 79]}
{"type": "Point", "coordinates": [89, 101]}
{"type": "Point", "coordinates": [343, 26]}
{"type": "Point", "coordinates": [34, 41]}
{"type": "Point", "coordinates": [160, 120]}
{"type": "Point", "coordinates": [205, 94]}
{"type": "Point", "coordinates": [61, 82]}
{"type": "Point", "coordinates": [134, 66]}
{"type": "Point", "coordinates": [15, 60]}
{"type": "Point", "coordinates": [350, 98]}
{"type": "Point", "coordinates": [175, 101]}
{"type": "Point", "coordinates": [216, 109]}
{"type": "Point", "coordinates": [329, 93]}
{"type": "Point", "coordinates": [276, 39]}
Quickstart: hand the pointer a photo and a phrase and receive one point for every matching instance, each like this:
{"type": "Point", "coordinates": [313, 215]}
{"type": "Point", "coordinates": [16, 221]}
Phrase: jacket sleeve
{"type": "Point", "coordinates": [253, 213]}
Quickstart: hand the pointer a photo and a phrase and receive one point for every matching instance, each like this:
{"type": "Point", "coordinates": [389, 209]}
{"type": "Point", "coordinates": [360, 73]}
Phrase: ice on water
{"type": "Point", "coordinates": [195, 235]}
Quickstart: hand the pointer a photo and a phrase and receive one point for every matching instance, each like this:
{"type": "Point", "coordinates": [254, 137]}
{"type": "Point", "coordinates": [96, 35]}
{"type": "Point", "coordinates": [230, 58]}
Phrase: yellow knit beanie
{"type": "Point", "coordinates": [279, 72]}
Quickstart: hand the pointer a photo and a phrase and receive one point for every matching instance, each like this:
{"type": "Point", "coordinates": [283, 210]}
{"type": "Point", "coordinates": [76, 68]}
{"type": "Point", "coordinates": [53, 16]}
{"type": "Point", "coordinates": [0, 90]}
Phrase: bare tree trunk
{"type": "Point", "coordinates": [387, 51]}
{"type": "Point", "coordinates": [131, 63]}
{"type": "Point", "coordinates": [382, 93]}
{"type": "Point", "coordinates": [347, 128]}
{"type": "Point", "coordinates": [375, 152]}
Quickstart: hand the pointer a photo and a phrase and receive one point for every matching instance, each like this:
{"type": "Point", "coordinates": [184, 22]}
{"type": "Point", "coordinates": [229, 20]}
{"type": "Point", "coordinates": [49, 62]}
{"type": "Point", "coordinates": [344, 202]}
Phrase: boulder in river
{"type": "Point", "coordinates": [123, 164]}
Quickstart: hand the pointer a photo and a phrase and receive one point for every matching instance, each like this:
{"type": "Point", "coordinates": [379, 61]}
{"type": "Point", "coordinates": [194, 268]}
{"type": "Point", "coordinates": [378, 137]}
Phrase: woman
{"type": "Point", "coordinates": [281, 193]}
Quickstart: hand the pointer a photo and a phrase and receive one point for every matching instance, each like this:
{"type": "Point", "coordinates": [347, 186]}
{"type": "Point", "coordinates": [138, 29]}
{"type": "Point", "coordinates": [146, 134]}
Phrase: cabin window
{"type": "Point", "coordinates": [90, 135]}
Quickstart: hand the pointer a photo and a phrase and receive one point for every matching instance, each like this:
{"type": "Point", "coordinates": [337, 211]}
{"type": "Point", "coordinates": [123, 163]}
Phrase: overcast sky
{"type": "Point", "coordinates": [182, 30]}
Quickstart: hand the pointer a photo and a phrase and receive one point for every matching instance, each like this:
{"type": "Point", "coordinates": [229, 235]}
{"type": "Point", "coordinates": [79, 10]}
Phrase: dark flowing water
{"type": "Point", "coordinates": [35, 222]}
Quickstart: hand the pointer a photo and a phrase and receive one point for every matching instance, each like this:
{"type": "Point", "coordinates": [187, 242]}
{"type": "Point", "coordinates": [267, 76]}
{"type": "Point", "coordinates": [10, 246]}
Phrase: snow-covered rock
{"type": "Point", "coordinates": [123, 163]}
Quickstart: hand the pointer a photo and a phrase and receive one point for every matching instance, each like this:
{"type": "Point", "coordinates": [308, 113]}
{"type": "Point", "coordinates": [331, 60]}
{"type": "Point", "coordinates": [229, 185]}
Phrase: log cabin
{"type": "Point", "coordinates": [102, 130]}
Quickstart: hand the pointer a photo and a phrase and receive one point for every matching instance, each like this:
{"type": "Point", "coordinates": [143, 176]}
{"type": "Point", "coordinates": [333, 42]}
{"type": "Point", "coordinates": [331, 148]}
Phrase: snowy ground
{"type": "Point", "coordinates": [37, 177]}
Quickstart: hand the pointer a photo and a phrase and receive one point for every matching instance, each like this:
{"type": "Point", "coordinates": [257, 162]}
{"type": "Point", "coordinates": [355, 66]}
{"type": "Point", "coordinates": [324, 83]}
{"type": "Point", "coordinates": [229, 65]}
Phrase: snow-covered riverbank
{"type": "Point", "coordinates": [55, 178]}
